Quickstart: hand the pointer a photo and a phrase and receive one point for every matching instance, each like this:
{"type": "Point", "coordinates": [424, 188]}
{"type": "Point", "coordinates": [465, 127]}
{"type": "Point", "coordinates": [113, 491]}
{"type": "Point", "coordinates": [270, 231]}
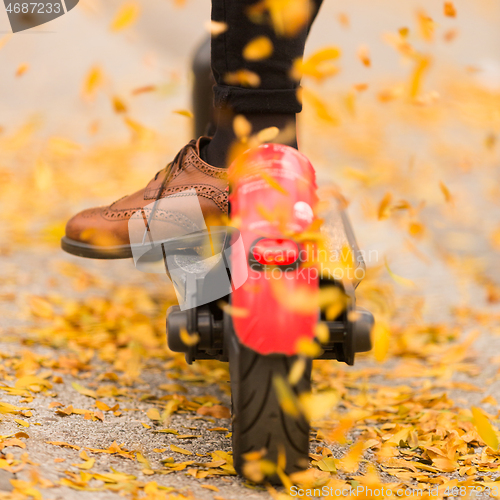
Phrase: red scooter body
{"type": "Point", "coordinates": [272, 200]}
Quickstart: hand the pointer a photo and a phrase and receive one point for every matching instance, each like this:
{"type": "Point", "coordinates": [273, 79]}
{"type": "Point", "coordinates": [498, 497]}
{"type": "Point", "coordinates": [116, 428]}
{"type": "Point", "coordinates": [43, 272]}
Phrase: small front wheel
{"type": "Point", "coordinates": [259, 422]}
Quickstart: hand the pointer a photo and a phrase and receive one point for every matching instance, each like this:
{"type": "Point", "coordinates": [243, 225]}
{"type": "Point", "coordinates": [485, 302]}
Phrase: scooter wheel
{"type": "Point", "coordinates": [259, 422]}
{"type": "Point", "coordinates": [361, 330]}
{"type": "Point", "coordinates": [177, 321]}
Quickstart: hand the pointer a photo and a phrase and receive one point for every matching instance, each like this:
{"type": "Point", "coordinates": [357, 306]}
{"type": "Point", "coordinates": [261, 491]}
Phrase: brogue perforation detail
{"type": "Point", "coordinates": [194, 160]}
{"type": "Point", "coordinates": [109, 213]}
{"type": "Point", "coordinates": [205, 190]}
{"type": "Point", "coordinates": [91, 212]}
{"type": "Point", "coordinates": [176, 218]}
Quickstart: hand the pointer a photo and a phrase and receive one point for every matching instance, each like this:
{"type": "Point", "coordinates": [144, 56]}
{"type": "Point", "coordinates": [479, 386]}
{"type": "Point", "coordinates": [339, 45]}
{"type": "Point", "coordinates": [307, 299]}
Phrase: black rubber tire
{"type": "Point", "coordinates": [258, 419]}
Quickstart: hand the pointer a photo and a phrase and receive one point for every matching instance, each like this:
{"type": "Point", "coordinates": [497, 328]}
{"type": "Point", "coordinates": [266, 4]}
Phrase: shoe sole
{"type": "Point", "coordinates": [94, 252]}
{"type": "Point", "coordinates": [180, 244]}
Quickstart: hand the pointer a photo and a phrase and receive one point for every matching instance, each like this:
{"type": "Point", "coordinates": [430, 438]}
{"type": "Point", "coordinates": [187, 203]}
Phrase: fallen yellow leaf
{"type": "Point", "coordinates": [153, 414]}
{"type": "Point", "coordinates": [175, 448]}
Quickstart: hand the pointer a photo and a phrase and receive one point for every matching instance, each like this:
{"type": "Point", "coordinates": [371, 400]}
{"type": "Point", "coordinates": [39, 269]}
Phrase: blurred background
{"type": "Point", "coordinates": [94, 103]}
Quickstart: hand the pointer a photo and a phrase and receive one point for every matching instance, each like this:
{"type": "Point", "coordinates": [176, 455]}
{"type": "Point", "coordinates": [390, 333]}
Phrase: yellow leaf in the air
{"type": "Point", "coordinates": [421, 67]}
{"type": "Point", "coordinates": [235, 312]}
{"type": "Point", "coordinates": [22, 68]}
{"type": "Point", "coordinates": [484, 428]}
{"type": "Point", "coordinates": [216, 28]}
{"type": "Point", "coordinates": [317, 406]}
{"type": "Point", "coordinates": [308, 347]}
{"type": "Point", "coordinates": [364, 55]}
{"type": "Point", "coordinates": [272, 182]}
{"type": "Point", "coordinates": [242, 127]}
{"type": "Point", "coordinates": [350, 462]}
{"type": "Point", "coordinates": [398, 279]}
{"type": "Point", "coordinates": [266, 135]}
{"type": "Point", "coordinates": [139, 131]}
{"type": "Point", "coordinates": [338, 435]}
{"type": "Point", "coordinates": [189, 339]}
{"type": "Point", "coordinates": [318, 105]}
{"type": "Point", "coordinates": [450, 35]}
{"type": "Point", "coordinates": [343, 19]}
{"type": "Point", "coordinates": [446, 192]}
{"type": "Point", "coordinates": [449, 9]}
{"type": "Point", "coordinates": [144, 89]}
{"type": "Point", "coordinates": [119, 105]}
{"type": "Point", "coordinates": [258, 48]}
{"type": "Point", "coordinates": [5, 39]}
{"type": "Point", "coordinates": [297, 370]}
{"type": "Point", "coordinates": [126, 16]}
{"type": "Point", "coordinates": [183, 112]}
{"type": "Point", "coordinates": [98, 237]}
{"type": "Point", "coordinates": [93, 80]}
{"type": "Point", "coordinates": [243, 77]}
{"type": "Point", "coordinates": [289, 16]}
{"type": "Point", "coordinates": [286, 397]}
{"type": "Point", "coordinates": [332, 299]}
{"type": "Point", "coordinates": [384, 207]}
{"type": "Point", "coordinates": [426, 25]}
{"type": "Point", "coordinates": [322, 332]}
{"type": "Point", "coordinates": [301, 299]}
{"type": "Point", "coordinates": [318, 66]}
{"type": "Point", "coordinates": [381, 341]}
{"type": "Point", "coordinates": [416, 229]}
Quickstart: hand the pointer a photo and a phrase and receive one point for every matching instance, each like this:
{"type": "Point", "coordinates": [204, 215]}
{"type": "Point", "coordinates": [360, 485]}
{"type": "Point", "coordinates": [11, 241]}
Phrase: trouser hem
{"type": "Point", "coordinates": [247, 101]}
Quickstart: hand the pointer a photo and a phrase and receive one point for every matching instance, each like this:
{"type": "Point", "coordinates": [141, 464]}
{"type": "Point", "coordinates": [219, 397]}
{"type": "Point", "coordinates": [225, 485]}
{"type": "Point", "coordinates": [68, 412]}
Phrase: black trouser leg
{"type": "Point", "coordinates": [277, 90]}
{"type": "Point", "coordinates": [273, 100]}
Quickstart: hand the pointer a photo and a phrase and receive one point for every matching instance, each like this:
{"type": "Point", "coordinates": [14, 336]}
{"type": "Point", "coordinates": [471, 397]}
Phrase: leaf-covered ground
{"type": "Point", "coordinates": [92, 403]}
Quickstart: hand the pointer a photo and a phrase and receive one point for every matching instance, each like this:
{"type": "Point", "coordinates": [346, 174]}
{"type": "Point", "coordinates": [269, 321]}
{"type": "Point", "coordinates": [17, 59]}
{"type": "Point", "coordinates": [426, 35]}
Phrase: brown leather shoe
{"type": "Point", "coordinates": [103, 232]}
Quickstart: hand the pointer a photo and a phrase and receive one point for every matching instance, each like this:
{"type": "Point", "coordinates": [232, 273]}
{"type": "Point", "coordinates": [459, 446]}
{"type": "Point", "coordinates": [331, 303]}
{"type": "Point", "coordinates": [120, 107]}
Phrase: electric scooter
{"type": "Point", "coordinates": [268, 266]}
{"type": "Point", "coordinates": [252, 293]}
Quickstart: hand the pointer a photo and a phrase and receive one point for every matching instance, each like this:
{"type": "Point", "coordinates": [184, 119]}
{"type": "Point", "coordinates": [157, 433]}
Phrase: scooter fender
{"type": "Point", "coordinates": [273, 200]}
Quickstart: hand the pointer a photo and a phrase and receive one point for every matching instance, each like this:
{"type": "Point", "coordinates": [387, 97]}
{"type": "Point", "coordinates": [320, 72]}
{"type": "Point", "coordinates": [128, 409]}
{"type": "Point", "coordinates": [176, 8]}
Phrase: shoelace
{"type": "Point", "coordinates": [169, 170]}
{"type": "Point", "coordinates": [175, 163]}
